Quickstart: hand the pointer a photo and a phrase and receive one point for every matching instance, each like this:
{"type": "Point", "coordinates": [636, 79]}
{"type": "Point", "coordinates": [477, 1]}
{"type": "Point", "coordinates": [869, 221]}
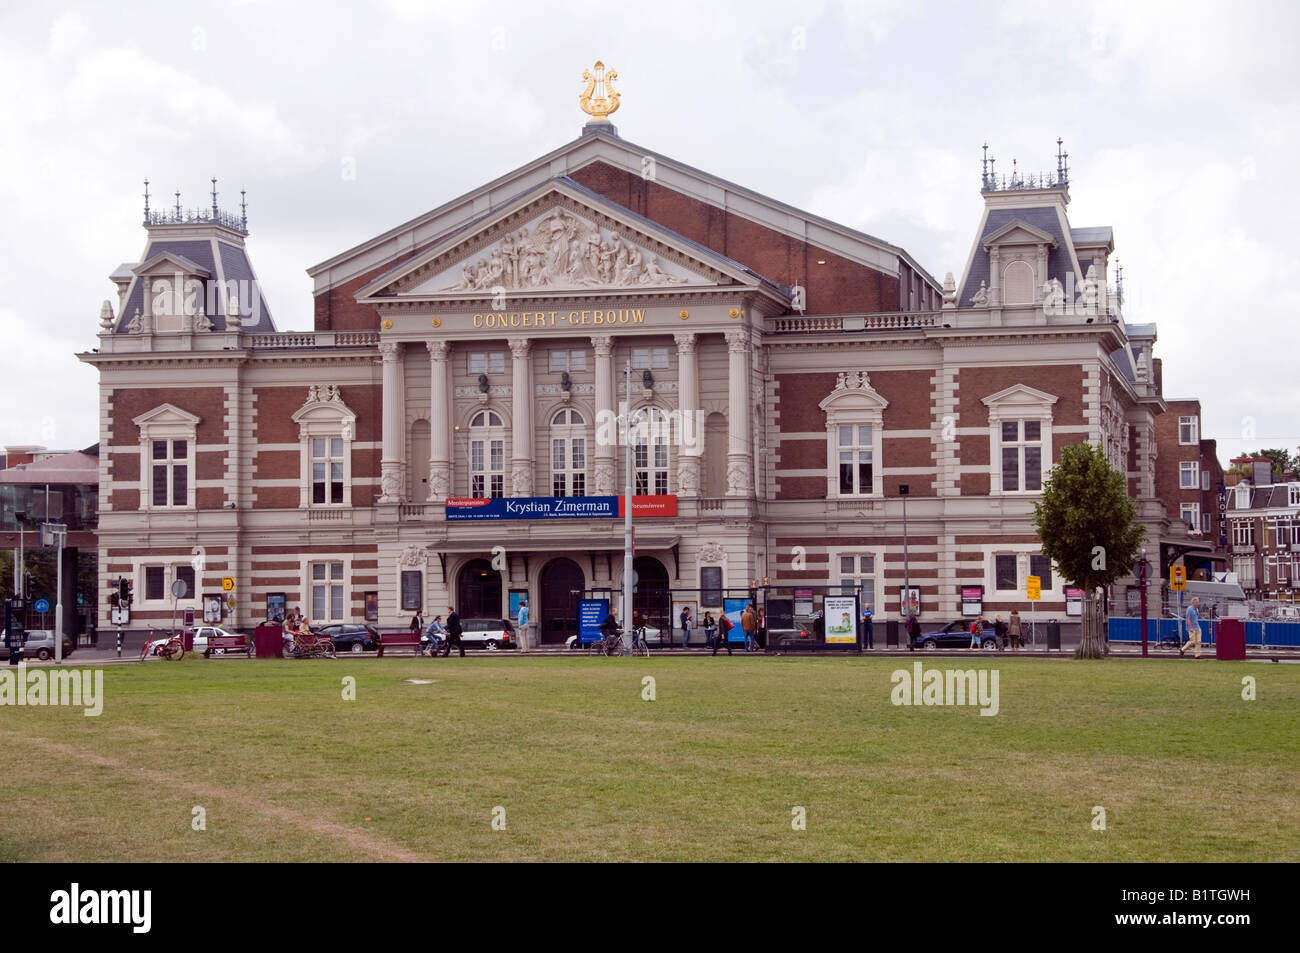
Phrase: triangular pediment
{"type": "Point", "coordinates": [1019, 232]}
{"type": "Point", "coordinates": [166, 415]}
{"type": "Point", "coordinates": [170, 262]}
{"type": "Point", "coordinates": [560, 239]}
{"type": "Point", "coordinates": [1019, 395]}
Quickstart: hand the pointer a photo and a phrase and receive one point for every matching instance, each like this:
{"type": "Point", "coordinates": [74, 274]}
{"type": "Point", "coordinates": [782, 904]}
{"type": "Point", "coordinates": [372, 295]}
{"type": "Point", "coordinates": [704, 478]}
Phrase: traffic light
{"type": "Point", "coordinates": [27, 585]}
{"type": "Point", "coordinates": [123, 596]}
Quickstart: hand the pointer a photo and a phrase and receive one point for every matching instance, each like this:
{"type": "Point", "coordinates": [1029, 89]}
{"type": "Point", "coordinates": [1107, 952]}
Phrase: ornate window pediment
{"type": "Point", "coordinates": [855, 414]}
{"type": "Point", "coordinates": [326, 428]}
{"type": "Point", "coordinates": [1020, 439]}
{"type": "Point", "coordinates": [167, 455]}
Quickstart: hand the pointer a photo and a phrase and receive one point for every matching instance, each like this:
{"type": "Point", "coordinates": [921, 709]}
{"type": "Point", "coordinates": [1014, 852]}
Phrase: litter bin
{"type": "Point", "coordinates": [1053, 635]}
{"type": "Point", "coordinates": [187, 639]}
{"type": "Point", "coordinates": [268, 640]}
{"type": "Point", "coordinates": [891, 633]}
{"type": "Point", "coordinates": [1230, 640]}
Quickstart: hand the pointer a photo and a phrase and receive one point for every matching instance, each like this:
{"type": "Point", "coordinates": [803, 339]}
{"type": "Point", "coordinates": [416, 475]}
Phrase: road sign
{"type": "Point", "coordinates": [179, 588]}
{"type": "Point", "coordinates": [227, 584]}
{"type": "Point", "coordinates": [41, 605]}
{"type": "Point", "coordinates": [1178, 578]}
{"type": "Point", "coordinates": [1034, 585]}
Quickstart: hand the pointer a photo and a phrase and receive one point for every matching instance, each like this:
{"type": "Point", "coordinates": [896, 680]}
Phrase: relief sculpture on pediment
{"type": "Point", "coordinates": [562, 251]}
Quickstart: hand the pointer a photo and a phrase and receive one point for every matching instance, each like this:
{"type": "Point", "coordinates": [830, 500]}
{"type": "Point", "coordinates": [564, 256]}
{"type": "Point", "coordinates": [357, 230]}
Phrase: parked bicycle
{"type": "Point", "coordinates": [171, 648]}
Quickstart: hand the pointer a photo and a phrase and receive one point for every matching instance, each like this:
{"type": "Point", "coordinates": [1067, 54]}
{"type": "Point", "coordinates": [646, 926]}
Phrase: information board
{"type": "Point", "coordinates": [591, 613]}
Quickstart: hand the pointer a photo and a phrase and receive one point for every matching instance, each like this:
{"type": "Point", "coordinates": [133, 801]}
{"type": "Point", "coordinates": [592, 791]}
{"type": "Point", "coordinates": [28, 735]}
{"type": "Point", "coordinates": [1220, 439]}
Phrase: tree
{"type": "Point", "coordinates": [1088, 526]}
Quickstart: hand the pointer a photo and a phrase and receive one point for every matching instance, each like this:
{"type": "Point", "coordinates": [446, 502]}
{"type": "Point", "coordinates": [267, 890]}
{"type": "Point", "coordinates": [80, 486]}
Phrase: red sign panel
{"type": "Point", "coordinates": [644, 506]}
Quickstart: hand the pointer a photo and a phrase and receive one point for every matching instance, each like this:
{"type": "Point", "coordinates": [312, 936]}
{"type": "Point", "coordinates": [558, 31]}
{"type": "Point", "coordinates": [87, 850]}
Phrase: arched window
{"type": "Point", "coordinates": [568, 454]}
{"type": "Point", "coordinates": [650, 433]}
{"type": "Point", "coordinates": [487, 455]}
{"type": "Point", "coordinates": [1018, 283]}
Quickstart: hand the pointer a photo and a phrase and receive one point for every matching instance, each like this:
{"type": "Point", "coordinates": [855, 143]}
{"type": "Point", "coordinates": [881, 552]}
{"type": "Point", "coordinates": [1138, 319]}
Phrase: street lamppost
{"type": "Point", "coordinates": [21, 517]}
{"type": "Point", "coordinates": [1142, 597]}
{"type": "Point", "coordinates": [907, 579]}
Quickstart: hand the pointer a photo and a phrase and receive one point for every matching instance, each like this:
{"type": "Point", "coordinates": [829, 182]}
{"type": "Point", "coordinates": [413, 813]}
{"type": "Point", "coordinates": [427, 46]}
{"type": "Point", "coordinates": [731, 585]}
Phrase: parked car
{"type": "Point", "coordinates": [203, 632]}
{"type": "Point", "coordinates": [955, 635]}
{"type": "Point", "coordinates": [351, 636]}
{"type": "Point", "coordinates": [39, 643]}
{"type": "Point", "coordinates": [491, 634]}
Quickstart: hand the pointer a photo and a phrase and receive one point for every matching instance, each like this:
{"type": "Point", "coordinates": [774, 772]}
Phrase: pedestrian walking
{"type": "Point", "coordinates": [1193, 619]}
{"type": "Point", "coordinates": [709, 629]}
{"type": "Point", "coordinates": [724, 626]}
{"type": "Point", "coordinates": [417, 624]}
{"type": "Point", "coordinates": [1000, 632]}
{"type": "Point", "coordinates": [522, 624]}
{"type": "Point", "coordinates": [453, 633]}
{"type": "Point", "coordinates": [976, 628]}
{"type": "Point", "coordinates": [749, 625]}
{"type": "Point", "coordinates": [1013, 630]}
{"type": "Point", "coordinates": [686, 627]}
{"type": "Point", "coordinates": [867, 626]}
{"type": "Point", "coordinates": [913, 632]}
{"type": "Point", "coordinates": [762, 629]}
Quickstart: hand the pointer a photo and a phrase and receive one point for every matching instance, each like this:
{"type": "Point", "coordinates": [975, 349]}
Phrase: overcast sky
{"type": "Point", "coordinates": [1180, 119]}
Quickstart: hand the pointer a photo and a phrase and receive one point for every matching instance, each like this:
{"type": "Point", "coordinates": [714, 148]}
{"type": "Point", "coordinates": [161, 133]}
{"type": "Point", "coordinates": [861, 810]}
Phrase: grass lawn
{"type": "Point", "coordinates": [285, 769]}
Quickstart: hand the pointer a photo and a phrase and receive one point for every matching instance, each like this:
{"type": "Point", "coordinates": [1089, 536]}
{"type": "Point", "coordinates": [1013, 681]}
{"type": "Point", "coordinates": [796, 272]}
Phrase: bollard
{"type": "Point", "coordinates": [119, 643]}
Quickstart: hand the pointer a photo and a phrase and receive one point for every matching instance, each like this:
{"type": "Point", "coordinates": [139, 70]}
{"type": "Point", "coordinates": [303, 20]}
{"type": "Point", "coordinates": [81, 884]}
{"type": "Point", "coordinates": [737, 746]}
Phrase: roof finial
{"type": "Point", "coordinates": [214, 198]}
{"type": "Point", "coordinates": [1060, 163]}
{"type": "Point", "coordinates": [598, 99]}
{"type": "Point", "coordinates": [243, 210]}
{"type": "Point", "coordinates": [1119, 281]}
{"type": "Point", "coordinates": [984, 165]}
{"type": "Point", "coordinates": [146, 201]}
{"type": "Point", "coordinates": [178, 204]}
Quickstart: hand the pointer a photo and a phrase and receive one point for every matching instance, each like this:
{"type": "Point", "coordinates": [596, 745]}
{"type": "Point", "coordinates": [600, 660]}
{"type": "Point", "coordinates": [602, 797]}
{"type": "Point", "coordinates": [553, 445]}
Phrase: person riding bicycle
{"type": "Point", "coordinates": [638, 626]}
{"type": "Point", "coordinates": [610, 630]}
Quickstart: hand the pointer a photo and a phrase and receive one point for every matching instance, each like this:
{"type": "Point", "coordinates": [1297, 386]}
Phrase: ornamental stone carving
{"type": "Point", "coordinates": [438, 349]}
{"type": "Point", "coordinates": [981, 297]}
{"type": "Point", "coordinates": [521, 479]}
{"type": "Point", "coordinates": [738, 477]}
{"type": "Point", "coordinates": [562, 251]}
{"type": "Point", "coordinates": [737, 341]}
{"type": "Point", "coordinates": [711, 552]}
{"type": "Point", "coordinates": [414, 556]}
{"type": "Point", "coordinates": [604, 478]}
{"type": "Point", "coordinates": [685, 343]}
{"type": "Point", "coordinates": [439, 481]}
{"type": "Point", "coordinates": [390, 485]}
{"type": "Point", "coordinates": [388, 350]}
{"type": "Point", "coordinates": [688, 475]}
{"type": "Point", "coordinates": [520, 347]}
{"type": "Point", "coordinates": [603, 344]}
{"type": "Point", "coordinates": [855, 380]}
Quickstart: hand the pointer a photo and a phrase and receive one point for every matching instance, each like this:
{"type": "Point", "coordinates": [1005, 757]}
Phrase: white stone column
{"type": "Point", "coordinates": [739, 479]}
{"type": "Point", "coordinates": [390, 462]}
{"type": "Point", "coordinates": [691, 428]}
{"type": "Point", "coordinates": [521, 443]}
{"type": "Point", "coordinates": [439, 422]}
{"type": "Point", "coordinates": [606, 430]}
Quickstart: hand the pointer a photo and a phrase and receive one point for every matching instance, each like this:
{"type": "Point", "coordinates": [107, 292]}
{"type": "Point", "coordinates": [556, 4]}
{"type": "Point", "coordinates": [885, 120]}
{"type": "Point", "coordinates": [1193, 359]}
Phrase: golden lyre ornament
{"type": "Point", "coordinates": [599, 107]}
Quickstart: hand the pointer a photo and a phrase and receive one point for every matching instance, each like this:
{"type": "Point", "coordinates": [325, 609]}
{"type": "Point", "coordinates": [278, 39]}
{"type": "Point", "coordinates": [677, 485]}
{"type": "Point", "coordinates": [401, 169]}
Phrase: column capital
{"type": "Point", "coordinates": [520, 347]}
{"type": "Point", "coordinates": [388, 349]}
{"type": "Point", "coordinates": [737, 341]}
{"type": "Point", "coordinates": [438, 350]}
{"type": "Point", "coordinates": [603, 344]}
{"type": "Point", "coordinates": [685, 342]}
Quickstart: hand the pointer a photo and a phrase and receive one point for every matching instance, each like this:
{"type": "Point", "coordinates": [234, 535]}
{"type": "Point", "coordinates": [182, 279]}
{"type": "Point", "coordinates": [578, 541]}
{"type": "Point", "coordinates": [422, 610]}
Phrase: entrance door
{"type": "Point", "coordinates": [652, 597]}
{"type": "Point", "coordinates": [562, 583]}
{"type": "Point", "coordinates": [478, 591]}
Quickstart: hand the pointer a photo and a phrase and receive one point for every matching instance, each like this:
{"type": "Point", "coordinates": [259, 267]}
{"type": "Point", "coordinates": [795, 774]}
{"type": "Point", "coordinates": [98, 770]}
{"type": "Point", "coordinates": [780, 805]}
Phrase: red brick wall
{"type": "Point", "coordinates": [338, 310]}
{"type": "Point", "coordinates": [1065, 382]}
{"type": "Point", "coordinates": [837, 287]}
{"type": "Point", "coordinates": [206, 403]}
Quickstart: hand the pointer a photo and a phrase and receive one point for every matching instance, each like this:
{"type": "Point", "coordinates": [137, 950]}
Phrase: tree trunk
{"type": "Point", "coordinates": [1091, 641]}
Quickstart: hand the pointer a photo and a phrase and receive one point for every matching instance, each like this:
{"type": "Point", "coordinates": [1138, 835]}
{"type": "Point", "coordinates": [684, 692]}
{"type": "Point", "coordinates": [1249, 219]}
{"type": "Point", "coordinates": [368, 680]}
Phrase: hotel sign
{"type": "Point", "coordinates": [557, 507]}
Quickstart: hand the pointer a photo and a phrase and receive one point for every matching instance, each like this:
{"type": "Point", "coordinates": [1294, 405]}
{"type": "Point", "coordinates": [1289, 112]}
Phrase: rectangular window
{"type": "Point", "coordinates": [412, 580]}
{"type": "Point", "coordinates": [326, 470]}
{"type": "Point", "coordinates": [855, 459]}
{"type": "Point", "coordinates": [1189, 429]}
{"type": "Point", "coordinates": [1041, 567]}
{"type": "Point", "coordinates": [649, 357]}
{"type": "Point", "coordinates": [1005, 572]}
{"type": "Point", "coordinates": [1244, 567]}
{"type": "Point", "coordinates": [1205, 523]}
{"type": "Point", "coordinates": [326, 593]}
{"type": "Point", "coordinates": [1022, 455]}
{"type": "Point", "coordinates": [186, 575]}
{"type": "Point", "coordinates": [171, 473]}
{"type": "Point", "coordinates": [651, 468]}
{"type": "Point", "coordinates": [1293, 494]}
{"type": "Point", "coordinates": [155, 583]}
{"type": "Point", "coordinates": [491, 362]}
{"type": "Point", "coordinates": [1243, 532]}
{"type": "Point", "coordinates": [568, 361]}
{"type": "Point", "coordinates": [1191, 514]}
{"type": "Point", "coordinates": [1187, 474]}
{"type": "Point", "coordinates": [858, 574]}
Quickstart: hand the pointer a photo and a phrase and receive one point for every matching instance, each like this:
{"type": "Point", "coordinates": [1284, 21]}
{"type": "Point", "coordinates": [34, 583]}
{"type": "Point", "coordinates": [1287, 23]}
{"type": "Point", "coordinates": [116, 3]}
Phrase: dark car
{"type": "Point", "coordinates": [955, 635]}
{"type": "Point", "coordinates": [351, 636]}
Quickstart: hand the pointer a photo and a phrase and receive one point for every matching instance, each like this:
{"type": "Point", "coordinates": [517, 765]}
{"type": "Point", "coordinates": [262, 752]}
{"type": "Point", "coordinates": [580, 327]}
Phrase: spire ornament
{"type": "Point", "coordinates": [598, 99]}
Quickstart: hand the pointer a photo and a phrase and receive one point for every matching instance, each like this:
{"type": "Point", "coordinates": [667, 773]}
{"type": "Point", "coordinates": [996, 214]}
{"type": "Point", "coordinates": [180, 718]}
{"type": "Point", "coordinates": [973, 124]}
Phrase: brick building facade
{"type": "Point", "coordinates": [789, 373]}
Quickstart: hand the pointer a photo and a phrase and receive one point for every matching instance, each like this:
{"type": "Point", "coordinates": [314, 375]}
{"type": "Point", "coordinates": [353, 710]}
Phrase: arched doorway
{"type": "Point", "coordinates": [652, 598]}
{"type": "Point", "coordinates": [478, 591]}
{"type": "Point", "coordinates": [561, 584]}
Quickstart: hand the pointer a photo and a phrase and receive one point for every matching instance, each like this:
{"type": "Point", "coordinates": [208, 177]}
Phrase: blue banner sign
{"type": "Point", "coordinates": [591, 613]}
{"type": "Point", "coordinates": [533, 508]}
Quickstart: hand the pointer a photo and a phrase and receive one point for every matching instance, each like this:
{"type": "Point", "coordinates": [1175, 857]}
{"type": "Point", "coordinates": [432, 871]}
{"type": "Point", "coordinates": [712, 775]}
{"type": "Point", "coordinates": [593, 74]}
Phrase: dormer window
{"type": "Point", "coordinates": [1243, 497]}
{"type": "Point", "coordinates": [1293, 494]}
{"type": "Point", "coordinates": [174, 290]}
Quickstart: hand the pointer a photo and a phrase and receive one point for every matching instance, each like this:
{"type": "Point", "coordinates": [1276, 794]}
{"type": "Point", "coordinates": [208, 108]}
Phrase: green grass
{"type": "Point", "coordinates": [586, 770]}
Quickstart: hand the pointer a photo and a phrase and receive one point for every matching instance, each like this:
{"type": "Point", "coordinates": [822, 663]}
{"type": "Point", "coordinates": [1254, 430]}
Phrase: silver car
{"type": "Point", "coordinates": [39, 643]}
